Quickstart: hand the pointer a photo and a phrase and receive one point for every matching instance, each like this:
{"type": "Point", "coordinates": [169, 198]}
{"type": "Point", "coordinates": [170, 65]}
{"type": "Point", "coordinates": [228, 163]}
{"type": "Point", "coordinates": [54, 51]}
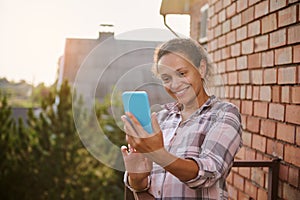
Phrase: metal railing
{"type": "Point", "coordinates": [273, 175]}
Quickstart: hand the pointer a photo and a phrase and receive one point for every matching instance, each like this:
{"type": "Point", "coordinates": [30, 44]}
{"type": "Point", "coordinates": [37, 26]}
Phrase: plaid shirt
{"type": "Point", "coordinates": [211, 137]}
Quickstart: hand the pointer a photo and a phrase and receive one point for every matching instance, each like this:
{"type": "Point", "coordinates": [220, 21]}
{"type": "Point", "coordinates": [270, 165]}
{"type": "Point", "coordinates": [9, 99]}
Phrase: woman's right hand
{"type": "Point", "coordinates": [137, 166]}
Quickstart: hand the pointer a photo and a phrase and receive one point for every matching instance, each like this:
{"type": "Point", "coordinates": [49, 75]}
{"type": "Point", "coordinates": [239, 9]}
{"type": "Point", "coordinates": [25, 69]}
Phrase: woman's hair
{"type": "Point", "coordinates": [188, 49]}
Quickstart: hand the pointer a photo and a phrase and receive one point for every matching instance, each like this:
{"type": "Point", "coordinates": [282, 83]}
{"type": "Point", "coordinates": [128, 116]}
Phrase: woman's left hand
{"type": "Point", "coordinates": [139, 139]}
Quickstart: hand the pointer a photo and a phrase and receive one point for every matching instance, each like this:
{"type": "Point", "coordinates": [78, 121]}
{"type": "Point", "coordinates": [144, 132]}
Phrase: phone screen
{"type": "Point", "coordinates": [137, 103]}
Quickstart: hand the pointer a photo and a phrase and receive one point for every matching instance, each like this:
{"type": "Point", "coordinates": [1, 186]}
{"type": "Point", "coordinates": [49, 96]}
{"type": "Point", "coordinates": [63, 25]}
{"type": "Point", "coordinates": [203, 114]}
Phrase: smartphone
{"type": "Point", "coordinates": [137, 103]}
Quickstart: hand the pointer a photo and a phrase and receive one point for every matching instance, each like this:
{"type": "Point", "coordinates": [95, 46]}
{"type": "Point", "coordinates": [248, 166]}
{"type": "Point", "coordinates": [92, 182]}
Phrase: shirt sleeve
{"type": "Point", "coordinates": [222, 142]}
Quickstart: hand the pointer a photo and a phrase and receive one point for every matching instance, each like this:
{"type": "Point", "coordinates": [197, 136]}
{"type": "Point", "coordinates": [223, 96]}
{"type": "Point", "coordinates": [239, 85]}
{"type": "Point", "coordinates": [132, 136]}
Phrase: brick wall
{"type": "Point", "coordinates": [256, 45]}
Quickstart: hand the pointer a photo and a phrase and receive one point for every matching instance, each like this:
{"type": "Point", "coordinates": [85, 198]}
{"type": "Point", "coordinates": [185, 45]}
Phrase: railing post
{"type": "Point", "coordinates": [273, 179]}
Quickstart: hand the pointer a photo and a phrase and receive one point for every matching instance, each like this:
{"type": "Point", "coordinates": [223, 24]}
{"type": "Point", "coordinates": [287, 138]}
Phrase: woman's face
{"type": "Point", "coordinates": [180, 78]}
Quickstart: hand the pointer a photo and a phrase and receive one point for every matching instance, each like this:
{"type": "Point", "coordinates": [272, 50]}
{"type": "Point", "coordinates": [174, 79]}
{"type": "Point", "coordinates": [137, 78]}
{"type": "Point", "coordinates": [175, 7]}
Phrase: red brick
{"type": "Point", "coordinates": [254, 61]}
{"type": "Point", "coordinates": [218, 30]}
{"type": "Point", "coordinates": [241, 62]}
{"type": "Point", "coordinates": [265, 93]}
{"type": "Point", "coordinates": [278, 38]}
{"type": "Point", "coordinates": [287, 16]}
{"type": "Point", "coordinates": [261, 109]}
{"type": "Point", "coordinates": [276, 111]}
{"type": "Point", "coordinates": [232, 78]}
{"type": "Point", "coordinates": [261, 43]}
{"type": "Point", "coordinates": [225, 53]}
{"type": "Point", "coordinates": [286, 132]}
{"type": "Point", "coordinates": [238, 181]}
{"type": "Point", "coordinates": [248, 15]}
{"type": "Point", "coordinates": [287, 75]}
{"type": "Point", "coordinates": [285, 94]}
{"type": "Point", "coordinates": [283, 56]}
{"type": "Point", "coordinates": [298, 135]}
{"type": "Point", "coordinates": [247, 141]}
{"type": "Point", "coordinates": [269, 23]}
{"type": "Point", "coordinates": [253, 125]}
{"type": "Point", "coordinates": [211, 11]}
{"type": "Point", "coordinates": [222, 68]}
{"type": "Point", "coordinates": [235, 49]}
{"type": "Point", "coordinates": [244, 77]}
{"type": "Point", "coordinates": [213, 45]}
{"type": "Point", "coordinates": [247, 107]}
{"type": "Point", "coordinates": [254, 28]}
{"type": "Point", "coordinates": [249, 92]}
{"type": "Point", "coordinates": [226, 27]}
{"type": "Point", "coordinates": [231, 10]}
{"type": "Point", "coordinates": [290, 193]}
{"type": "Point", "coordinates": [242, 196]}
{"type": "Point", "coordinates": [296, 54]}
{"type": "Point", "coordinates": [292, 114]}
{"type": "Point", "coordinates": [237, 92]}
{"type": "Point", "coordinates": [257, 77]}
{"type": "Point", "coordinates": [283, 172]}
{"type": "Point", "coordinates": [213, 21]}
{"type": "Point", "coordinates": [250, 154]}
{"type": "Point", "coordinates": [252, 2]}
{"type": "Point", "coordinates": [236, 21]}
{"type": "Point", "coordinates": [277, 4]}
{"type": "Point", "coordinates": [267, 59]}
{"type": "Point", "coordinates": [230, 64]}
{"type": "Point", "coordinates": [250, 189]}
{"type": "Point", "coordinates": [230, 38]}
{"type": "Point", "coordinates": [218, 6]}
{"type": "Point", "coordinates": [241, 5]}
{"type": "Point", "coordinates": [270, 76]}
{"type": "Point", "coordinates": [295, 95]}
{"type": "Point", "coordinates": [221, 16]}
{"type": "Point", "coordinates": [293, 34]}
{"type": "Point", "coordinates": [258, 176]}
{"type": "Point", "coordinates": [292, 154]}
{"type": "Point", "coordinates": [275, 148]}
{"type": "Point", "coordinates": [268, 128]}
{"type": "Point", "coordinates": [293, 176]}
{"type": "Point", "coordinates": [262, 194]}
{"type": "Point", "coordinates": [226, 3]}
{"type": "Point", "coordinates": [255, 94]}
{"type": "Point", "coordinates": [248, 46]}
{"type": "Point", "coordinates": [261, 9]}
{"type": "Point", "coordinates": [217, 55]}
{"type": "Point", "coordinates": [221, 41]}
{"type": "Point", "coordinates": [243, 92]}
{"type": "Point", "coordinates": [241, 33]}
{"type": "Point", "coordinates": [276, 94]}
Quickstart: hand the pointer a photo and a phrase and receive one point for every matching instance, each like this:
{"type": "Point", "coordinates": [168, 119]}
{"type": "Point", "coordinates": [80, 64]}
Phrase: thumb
{"type": "Point", "coordinates": [155, 125]}
{"type": "Point", "coordinates": [124, 151]}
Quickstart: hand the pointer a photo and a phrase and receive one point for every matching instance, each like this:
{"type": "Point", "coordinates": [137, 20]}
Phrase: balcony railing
{"type": "Point", "coordinates": [273, 175]}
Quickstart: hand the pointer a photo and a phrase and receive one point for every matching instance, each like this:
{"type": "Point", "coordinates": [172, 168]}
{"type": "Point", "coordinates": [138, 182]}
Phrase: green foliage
{"type": "Point", "coordinates": [46, 159]}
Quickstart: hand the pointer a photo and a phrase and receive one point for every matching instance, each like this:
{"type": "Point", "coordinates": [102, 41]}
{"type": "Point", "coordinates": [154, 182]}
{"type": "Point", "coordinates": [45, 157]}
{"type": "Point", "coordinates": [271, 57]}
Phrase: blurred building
{"type": "Point", "coordinates": [94, 66]}
{"type": "Point", "coordinates": [256, 47]}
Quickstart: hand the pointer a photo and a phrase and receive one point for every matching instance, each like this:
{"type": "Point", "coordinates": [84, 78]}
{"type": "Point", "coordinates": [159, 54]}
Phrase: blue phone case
{"type": "Point", "coordinates": [137, 103]}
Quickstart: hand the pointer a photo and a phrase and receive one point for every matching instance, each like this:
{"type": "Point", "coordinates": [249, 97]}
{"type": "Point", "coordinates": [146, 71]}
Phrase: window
{"type": "Point", "coordinates": [203, 24]}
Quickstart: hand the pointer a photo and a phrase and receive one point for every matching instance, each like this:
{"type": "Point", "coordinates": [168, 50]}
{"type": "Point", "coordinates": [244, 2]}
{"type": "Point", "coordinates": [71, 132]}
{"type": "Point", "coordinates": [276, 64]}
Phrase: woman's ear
{"type": "Point", "coordinates": [202, 68]}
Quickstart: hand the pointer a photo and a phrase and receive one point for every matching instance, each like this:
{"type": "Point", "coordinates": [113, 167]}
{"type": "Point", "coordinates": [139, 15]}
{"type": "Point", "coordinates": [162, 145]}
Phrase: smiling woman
{"type": "Point", "coordinates": [191, 150]}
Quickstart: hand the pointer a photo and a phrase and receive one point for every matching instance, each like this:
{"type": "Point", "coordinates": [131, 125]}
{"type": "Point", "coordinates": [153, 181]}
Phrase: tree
{"type": "Point", "coordinates": [47, 160]}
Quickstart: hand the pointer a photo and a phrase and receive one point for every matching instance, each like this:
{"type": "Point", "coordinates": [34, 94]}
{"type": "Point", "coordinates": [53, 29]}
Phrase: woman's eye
{"type": "Point", "coordinates": [165, 79]}
{"type": "Point", "coordinates": [181, 74]}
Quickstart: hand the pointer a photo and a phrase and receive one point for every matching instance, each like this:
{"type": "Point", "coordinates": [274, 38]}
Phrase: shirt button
{"type": "Point", "coordinates": [158, 192]}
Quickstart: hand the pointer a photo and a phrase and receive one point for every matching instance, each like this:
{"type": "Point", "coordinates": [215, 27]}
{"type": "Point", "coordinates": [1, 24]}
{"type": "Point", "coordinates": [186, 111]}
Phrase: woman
{"type": "Point", "coordinates": [195, 139]}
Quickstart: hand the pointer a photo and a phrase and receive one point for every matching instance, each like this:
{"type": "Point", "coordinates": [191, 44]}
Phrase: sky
{"type": "Point", "coordinates": [33, 32]}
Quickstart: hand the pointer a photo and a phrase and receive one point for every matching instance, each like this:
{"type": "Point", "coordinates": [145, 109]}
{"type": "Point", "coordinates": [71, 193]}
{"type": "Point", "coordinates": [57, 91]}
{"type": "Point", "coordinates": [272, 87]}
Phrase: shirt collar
{"type": "Point", "coordinates": [175, 107]}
